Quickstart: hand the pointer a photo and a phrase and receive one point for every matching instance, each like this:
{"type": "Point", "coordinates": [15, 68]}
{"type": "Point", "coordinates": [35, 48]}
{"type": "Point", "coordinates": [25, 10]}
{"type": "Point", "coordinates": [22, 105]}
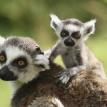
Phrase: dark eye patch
{"type": "Point", "coordinates": [20, 62]}
{"type": "Point", "coordinates": [39, 51]}
{"type": "Point", "coordinates": [64, 33]}
{"type": "Point", "coordinates": [3, 57]}
{"type": "Point", "coordinates": [76, 35]}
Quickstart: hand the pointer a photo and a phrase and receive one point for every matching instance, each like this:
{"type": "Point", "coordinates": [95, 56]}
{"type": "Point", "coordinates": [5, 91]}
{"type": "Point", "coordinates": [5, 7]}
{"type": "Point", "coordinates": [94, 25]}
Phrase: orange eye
{"type": "Point", "coordinates": [2, 58]}
{"type": "Point", "coordinates": [21, 63]}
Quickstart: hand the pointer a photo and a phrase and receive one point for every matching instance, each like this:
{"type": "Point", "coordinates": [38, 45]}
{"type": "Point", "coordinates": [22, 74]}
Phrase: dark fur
{"type": "Point", "coordinates": [86, 89]}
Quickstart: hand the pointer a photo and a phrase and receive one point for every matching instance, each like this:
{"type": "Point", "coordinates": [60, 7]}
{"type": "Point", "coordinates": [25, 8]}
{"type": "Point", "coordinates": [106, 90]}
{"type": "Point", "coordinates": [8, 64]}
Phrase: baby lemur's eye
{"type": "Point", "coordinates": [2, 57]}
{"type": "Point", "coordinates": [76, 35]}
{"type": "Point", "coordinates": [20, 62]}
{"type": "Point", "coordinates": [64, 33]}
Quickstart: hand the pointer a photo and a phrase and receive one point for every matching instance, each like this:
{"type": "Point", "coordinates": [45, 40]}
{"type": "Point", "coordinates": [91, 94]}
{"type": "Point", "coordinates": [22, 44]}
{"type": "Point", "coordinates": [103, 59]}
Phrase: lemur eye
{"type": "Point", "coordinates": [76, 35]}
{"type": "Point", "coordinates": [2, 57]}
{"type": "Point", "coordinates": [20, 62]}
{"type": "Point", "coordinates": [64, 33]}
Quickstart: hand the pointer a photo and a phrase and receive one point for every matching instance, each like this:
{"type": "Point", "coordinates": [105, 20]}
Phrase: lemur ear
{"type": "Point", "coordinates": [2, 40]}
{"type": "Point", "coordinates": [88, 29]}
{"type": "Point", "coordinates": [55, 21]}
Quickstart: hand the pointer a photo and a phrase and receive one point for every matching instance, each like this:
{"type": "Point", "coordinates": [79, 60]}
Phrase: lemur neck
{"type": "Point", "coordinates": [16, 85]}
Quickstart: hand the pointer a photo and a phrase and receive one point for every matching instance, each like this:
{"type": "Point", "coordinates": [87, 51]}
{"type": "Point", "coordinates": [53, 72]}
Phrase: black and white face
{"type": "Point", "coordinates": [72, 31]}
{"type": "Point", "coordinates": [70, 35]}
{"type": "Point", "coordinates": [17, 64]}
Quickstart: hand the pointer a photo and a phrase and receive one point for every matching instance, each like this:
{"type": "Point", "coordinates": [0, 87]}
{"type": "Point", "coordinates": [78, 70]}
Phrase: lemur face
{"type": "Point", "coordinates": [16, 62]}
{"type": "Point", "coordinates": [72, 31]}
{"type": "Point", "coordinates": [69, 34]}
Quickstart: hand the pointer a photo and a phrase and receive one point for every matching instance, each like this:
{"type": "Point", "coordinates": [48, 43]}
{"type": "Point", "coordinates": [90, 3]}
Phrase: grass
{"type": "Point", "coordinates": [4, 94]}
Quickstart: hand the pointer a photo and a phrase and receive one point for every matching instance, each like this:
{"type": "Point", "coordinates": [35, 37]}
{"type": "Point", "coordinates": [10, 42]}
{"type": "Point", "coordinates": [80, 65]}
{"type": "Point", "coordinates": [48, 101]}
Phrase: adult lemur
{"type": "Point", "coordinates": [71, 46]}
{"type": "Point", "coordinates": [22, 61]}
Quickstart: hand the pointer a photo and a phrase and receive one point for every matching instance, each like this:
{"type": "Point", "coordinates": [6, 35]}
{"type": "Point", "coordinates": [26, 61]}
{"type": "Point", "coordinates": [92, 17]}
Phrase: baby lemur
{"type": "Point", "coordinates": [71, 46]}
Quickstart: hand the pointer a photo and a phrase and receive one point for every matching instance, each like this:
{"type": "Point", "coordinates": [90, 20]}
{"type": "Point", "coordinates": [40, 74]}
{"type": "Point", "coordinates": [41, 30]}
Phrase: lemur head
{"type": "Point", "coordinates": [17, 59]}
{"type": "Point", "coordinates": [72, 31]}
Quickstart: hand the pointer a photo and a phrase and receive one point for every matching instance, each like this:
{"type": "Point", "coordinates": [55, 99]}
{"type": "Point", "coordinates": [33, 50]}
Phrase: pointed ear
{"type": "Point", "coordinates": [88, 28]}
{"type": "Point", "coordinates": [55, 21]}
{"type": "Point", "coordinates": [2, 40]}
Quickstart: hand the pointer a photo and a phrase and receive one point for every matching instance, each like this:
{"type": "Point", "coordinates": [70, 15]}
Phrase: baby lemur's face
{"type": "Point", "coordinates": [72, 31]}
{"type": "Point", "coordinates": [69, 33]}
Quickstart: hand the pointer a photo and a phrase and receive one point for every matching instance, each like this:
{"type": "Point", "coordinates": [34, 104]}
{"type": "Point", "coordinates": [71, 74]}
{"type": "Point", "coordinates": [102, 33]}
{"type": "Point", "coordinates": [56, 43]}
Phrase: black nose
{"type": "Point", "coordinates": [69, 42]}
{"type": "Point", "coordinates": [6, 74]}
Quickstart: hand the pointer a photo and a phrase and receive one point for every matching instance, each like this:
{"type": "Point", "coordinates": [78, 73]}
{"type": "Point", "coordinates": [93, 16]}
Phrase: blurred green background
{"type": "Point", "coordinates": [31, 18]}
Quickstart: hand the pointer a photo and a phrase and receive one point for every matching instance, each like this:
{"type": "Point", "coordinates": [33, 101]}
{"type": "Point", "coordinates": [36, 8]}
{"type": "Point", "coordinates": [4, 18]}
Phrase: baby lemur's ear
{"type": "Point", "coordinates": [2, 40]}
{"type": "Point", "coordinates": [55, 21]}
{"type": "Point", "coordinates": [88, 28]}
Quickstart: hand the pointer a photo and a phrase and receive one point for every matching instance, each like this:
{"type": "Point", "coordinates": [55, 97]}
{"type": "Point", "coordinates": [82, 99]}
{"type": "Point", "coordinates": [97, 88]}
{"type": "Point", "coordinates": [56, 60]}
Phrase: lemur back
{"type": "Point", "coordinates": [71, 46]}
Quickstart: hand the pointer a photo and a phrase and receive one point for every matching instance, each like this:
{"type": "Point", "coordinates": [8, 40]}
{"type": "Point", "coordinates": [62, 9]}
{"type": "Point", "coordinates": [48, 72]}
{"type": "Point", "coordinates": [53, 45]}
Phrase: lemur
{"type": "Point", "coordinates": [21, 60]}
{"type": "Point", "coordinates": [71, 46]}
{"type": "Point", "coordinates": [15, 56]}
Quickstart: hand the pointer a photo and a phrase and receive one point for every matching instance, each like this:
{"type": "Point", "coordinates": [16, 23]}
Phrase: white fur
{"type": "Point", "coordinates": [31, 71]}
{"type": "Point", "coordinates": [42, 59]}
{"type": "Point", "coordinates": [72, 28]}
{"type": "Point", "coordinates": [49, 102]}
{"type": "Point", "coordinates": [57, 102]}
{"type": "Point", "coordinates": [89, 24]}
{"type": "Point", "coordinates": [11, 55]}
{"type": "Point", "coordinates": [54, 19]}
{"type": "Point", "coordinates": [25, 77]}
{"type": "Point", "coordinates": [2, 39]}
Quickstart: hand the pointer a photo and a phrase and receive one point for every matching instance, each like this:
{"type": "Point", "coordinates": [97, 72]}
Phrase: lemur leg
{"type": "Point", "coordinates": [68, 73]}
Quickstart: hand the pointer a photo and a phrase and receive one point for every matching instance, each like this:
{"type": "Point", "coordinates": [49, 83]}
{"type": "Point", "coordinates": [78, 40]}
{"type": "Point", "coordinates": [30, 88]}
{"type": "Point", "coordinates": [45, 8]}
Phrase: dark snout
{"type": "Point", "coordinates": [6, 74]}
{"type": "Point", "coordinates": [69, 42]}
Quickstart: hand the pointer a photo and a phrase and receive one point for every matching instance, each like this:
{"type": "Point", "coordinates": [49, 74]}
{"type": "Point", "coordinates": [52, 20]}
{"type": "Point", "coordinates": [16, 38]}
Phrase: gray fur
{"type": "Point", "coordinates": [72, 21]}
{"type": "Point", "coordinates": [24, 43]}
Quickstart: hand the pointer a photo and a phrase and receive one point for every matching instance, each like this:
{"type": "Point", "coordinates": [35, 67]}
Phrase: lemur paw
{"type": "Point", "coordinates": [42, 61]}
{"type": "Point", "coordinates": [64, 77]}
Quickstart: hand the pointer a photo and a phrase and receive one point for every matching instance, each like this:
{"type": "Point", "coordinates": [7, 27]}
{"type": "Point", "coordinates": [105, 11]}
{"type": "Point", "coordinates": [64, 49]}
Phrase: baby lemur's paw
{"type": "Point", "coordinates": [67, 74]}
{"type": "Point", "coordinates": [64, 77]}
{"type": "Point", "coordinates": [42, 61]}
